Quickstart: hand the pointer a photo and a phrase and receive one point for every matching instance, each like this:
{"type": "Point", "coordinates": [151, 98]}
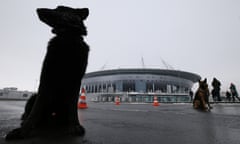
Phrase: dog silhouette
{"type": "Point", "coordinates": [64, 65]}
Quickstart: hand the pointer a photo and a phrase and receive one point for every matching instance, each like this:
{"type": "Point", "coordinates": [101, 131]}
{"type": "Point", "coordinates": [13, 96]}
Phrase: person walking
{"type": "Point", "coordinates": [234, 92]}
{"type": "Point", "coordinates": [228, 96]}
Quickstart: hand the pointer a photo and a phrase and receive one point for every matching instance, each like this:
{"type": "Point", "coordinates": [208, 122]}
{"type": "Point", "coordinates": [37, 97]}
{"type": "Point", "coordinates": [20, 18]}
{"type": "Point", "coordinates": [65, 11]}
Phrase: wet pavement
{"type": "Point", "coordinates": [107, 123]}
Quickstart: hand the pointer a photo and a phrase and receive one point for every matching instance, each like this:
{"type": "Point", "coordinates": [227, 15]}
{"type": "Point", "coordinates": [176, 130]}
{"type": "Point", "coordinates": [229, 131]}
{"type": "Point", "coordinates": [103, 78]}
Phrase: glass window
{"type": "Point", "coordinates": [128, 86]}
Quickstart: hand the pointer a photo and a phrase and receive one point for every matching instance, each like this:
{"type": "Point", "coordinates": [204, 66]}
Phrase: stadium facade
{"type": "Point", "coordinates": [139, 85]}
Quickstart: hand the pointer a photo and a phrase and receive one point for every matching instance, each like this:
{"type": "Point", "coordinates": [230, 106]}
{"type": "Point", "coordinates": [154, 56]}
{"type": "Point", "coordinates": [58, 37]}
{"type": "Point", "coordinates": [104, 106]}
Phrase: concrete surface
{"type": "Point", "coordinates": [107, 123]}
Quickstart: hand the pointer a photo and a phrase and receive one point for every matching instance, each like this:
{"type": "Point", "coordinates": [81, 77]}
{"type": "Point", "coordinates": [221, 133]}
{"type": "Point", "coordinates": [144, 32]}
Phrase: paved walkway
{"type": "Point", "coordinates": [139, 124]}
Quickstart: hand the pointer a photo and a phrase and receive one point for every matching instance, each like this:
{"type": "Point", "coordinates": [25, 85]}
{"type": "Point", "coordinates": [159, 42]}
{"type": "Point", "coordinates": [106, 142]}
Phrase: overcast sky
{"type": "Point", "coordinates": [199, 36]}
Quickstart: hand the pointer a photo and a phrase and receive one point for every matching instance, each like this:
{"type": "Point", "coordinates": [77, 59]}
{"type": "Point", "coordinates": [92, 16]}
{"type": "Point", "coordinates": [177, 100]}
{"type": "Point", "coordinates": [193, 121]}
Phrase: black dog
{"type": "Point", "coordinates": [55, 105]}
{"type": "Point", "coordinates": [28, 107]}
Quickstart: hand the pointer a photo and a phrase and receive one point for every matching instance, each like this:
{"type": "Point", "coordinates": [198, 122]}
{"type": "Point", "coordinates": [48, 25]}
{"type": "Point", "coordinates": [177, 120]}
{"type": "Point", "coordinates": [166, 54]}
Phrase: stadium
{"type": "Point", "coordinates": [139, 85]}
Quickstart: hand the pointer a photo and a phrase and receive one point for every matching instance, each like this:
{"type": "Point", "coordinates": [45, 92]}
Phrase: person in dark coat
{"type": "Point", "coordinates": [216, 84]}
{"type": "Point", "coordinates": [191, 95]}
{"type": "Point", "coordinates": [228, 96]}
{"type": "Point", "coordinates": [234, 92]}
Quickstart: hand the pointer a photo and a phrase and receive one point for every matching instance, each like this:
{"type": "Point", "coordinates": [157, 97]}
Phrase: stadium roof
{"type": "Point", "coordinates": [176, 73]}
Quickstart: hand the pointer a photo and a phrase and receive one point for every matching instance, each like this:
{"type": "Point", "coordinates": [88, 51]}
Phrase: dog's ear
{"type": "Point", "coordinates": [205, 80]}
{"type": "Point", "coordinates": [82, 13]}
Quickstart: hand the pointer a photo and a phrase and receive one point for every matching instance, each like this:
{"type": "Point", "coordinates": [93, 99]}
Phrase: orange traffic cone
{"type": "Point", "coordinates": [82, 100]}
{"type": "Point", "coordinates": [117, 101]}
{"type": "Point", "coordinates": [155, 102]}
